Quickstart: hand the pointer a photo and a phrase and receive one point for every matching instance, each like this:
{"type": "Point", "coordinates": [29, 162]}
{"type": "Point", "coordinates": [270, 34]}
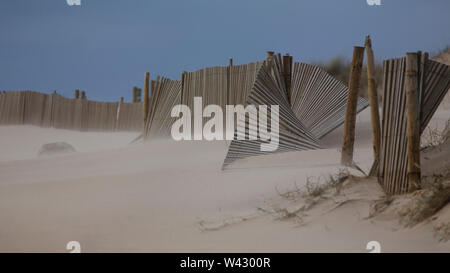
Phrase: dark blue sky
{"type": "Point", "coordinates": [105, 46]}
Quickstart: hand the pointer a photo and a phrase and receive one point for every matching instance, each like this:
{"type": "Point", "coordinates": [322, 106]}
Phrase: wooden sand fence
{"type": "Point", "coordinates": [53, 110]}
{"type": "Point", "coordinates": [416, 100]}
{"type": "Point", "coordinates": [312, 103]}
{"type": "Point", "coordinates": [220, 85]}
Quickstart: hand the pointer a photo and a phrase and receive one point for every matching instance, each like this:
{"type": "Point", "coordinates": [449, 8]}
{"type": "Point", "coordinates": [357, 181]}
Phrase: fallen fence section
{"type": "Point", "coordinates": [269, 89]}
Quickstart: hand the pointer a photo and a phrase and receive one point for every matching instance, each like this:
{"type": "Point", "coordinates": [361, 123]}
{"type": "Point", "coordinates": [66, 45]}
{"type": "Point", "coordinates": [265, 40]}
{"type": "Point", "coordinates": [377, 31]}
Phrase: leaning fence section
{"type": "Point", "coordinates": [166, 94]}
{"type": "Point", "coordinates": [241, 80]}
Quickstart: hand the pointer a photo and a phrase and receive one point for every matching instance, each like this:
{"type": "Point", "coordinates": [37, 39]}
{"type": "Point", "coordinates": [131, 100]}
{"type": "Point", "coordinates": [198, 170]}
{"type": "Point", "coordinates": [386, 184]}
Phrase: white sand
{"type": "Point", "coordinates": [23, 142]}
{"type": "Point", "coordinates": [160, 197]}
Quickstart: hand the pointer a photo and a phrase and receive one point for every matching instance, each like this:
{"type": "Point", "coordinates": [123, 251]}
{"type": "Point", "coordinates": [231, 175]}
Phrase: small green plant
{"type": "Point", "coordinates": [442, 232]}
{"type": "Point", "coordinates": [315, 188]}
{"type": "Point", "coordinates": [435, 136]}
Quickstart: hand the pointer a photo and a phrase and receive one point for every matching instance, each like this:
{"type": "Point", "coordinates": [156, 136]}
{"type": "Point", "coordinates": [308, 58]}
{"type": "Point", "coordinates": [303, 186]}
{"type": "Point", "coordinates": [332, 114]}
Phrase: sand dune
{"type": "Point", "coordinates": [23, 141]}
{"type": "Point", "coordinates": [166, 196]}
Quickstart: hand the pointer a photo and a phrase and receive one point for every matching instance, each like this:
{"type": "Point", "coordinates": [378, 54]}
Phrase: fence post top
{"type": "Point", "coordinates": [368, 41]}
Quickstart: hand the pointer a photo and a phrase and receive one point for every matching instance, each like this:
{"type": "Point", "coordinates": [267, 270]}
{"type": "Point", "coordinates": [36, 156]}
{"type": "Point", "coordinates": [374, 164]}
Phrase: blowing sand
{"type": "Point", "coordinates": [165, 196]}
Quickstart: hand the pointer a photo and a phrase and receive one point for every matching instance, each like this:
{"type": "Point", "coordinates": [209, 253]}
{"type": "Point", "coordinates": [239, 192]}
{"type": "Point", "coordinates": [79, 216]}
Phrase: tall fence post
{"type": "Point", "coordinates": [136, 94]}
{"type": "Point", "coordinates": [76, 94]}
{"type": "Point", "coordinates": [373, 101]}
{"type": "Point", "coordinates": [352, 102]}
{"type": "Point", "coordinates": [287, 70]}
{"type": "Point", "coordinates": [139, 95]}
{"type": "Point", "coordinates": [412, 126]}
{"type": "Point", "coordinates": [83, 95]}
{"type": "Point", "coordinates": [269, 55]}
{"type": "Point", "coordinates": [145, 104]}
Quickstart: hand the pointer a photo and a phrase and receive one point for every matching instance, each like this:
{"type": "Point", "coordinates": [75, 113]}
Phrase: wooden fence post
{"type": "Point", "coordinates": [145, 104]}
{"type": "Point", "coordinates": [412, 126]}
{"type": "Point", "coordinates": [287, 70]}
{"type": "Point", "coordinates": [139, 95]}
{"type": "Point", "coordinates": [83, 95]}
{"type": "Point", "coordinates": [77, 94]}
{"type": "Point", "coordinates": [136, 94]}
{"type": "Point", "coordinates": [269, 55]}
{"type": "Point", "coordinates": [230, 64]}
{"type": "Point", "coordinates": [352, 101]}
{"type": "Point", "coordinates": [373, 100]}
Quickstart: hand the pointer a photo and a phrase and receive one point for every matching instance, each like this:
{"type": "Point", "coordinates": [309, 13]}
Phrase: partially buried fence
{"type": "Point", "coordinates": [53, 110]}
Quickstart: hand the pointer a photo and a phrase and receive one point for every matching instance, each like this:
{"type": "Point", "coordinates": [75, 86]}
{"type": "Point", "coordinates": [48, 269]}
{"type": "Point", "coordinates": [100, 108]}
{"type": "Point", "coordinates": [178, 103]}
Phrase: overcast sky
{"type": "Point", "coordinates": [105, 46]}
